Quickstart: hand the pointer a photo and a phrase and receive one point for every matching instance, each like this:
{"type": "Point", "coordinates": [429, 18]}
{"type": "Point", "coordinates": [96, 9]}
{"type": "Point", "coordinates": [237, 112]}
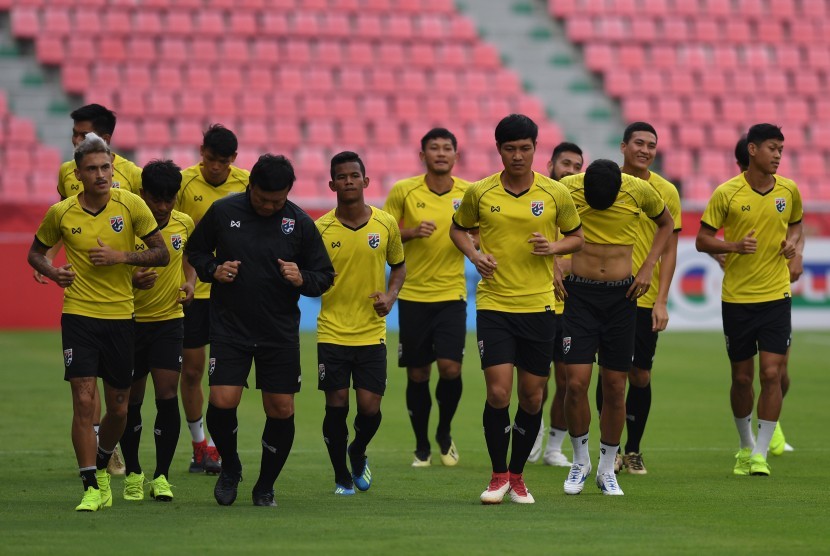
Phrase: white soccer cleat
{"type": "Point", "coordinates": [498, 487]}
{"type": "Point", "coordinates": [536, 451]}
{"type": "Point", "coordinates": [607, 483]}
{"type": "Point", "coordinates": [576, 478]}
{"type": "Point", "coordinates": [555, 458]}
{"type": "Point", "coordinates": [518, 491]}
{"type": "Point", "coordinates": [788, 448]}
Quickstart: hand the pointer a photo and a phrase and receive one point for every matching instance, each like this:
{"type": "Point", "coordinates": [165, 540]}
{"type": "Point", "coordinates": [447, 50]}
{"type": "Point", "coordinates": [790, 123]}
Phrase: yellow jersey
{"type": "Point", "coordinates": [125, 175]}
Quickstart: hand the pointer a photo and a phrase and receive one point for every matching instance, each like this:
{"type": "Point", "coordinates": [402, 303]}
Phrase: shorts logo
{"type": "Point", "coordinates": [780, 204]}
{"type": "Point", "coordinates": [67, 357]}
{"type": "Point", "coordinates": [374, 240]}
{"type": "Point", "coordinates": [456, 203]}
{"type": "Point", "coordinates": [481, 348]}
{"type": "Point", "coordinates": [566, 344]}
{"type": "Point", "coordinates": [287, 225]}
{"type": "Point", "coordinates": [727, 342]}
{"type": "Point", "coordinates": [117, 223]}
{"type": "Point", "coordinates": [211, 366]}
{"type": "Point", "coordinates": [537, 207]}
{"type": "Point", "coordinates": [321, 372]}
{"type": "Point", "coordinates": [400, 350]}
{"type": "Point", "coordinates": [176, 241]}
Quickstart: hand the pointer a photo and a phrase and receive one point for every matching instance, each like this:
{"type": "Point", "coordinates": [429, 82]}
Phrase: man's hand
{"type": "Point", "coordinates": [227, 272]}
{"type": "Point", "coordinates": [188, 290]}
{"type": "Point", "coordinates": [747, 245]}
{"type": "Point", "coordinates": [104, 255]}
{"type": "Point", "coordinates": [541, 245]}
{"type": "Point", "coordinates": [63, 276]}
{"type": "Point", "coordinates": [642, 282]}
{"type": "Point", "coordinates": [144, 278]}
{"type": "Point", "coordinates": [383, 303]}
{"type": "Point", "coordinates": [796, 265]}
{"type": "Point", "coordinates": [787, 249]}
{"type": "Point", "coordinates": [291, 272]}
{"type": "Point", "coordinates": [559, 290]}
{"type": "Point", "coordinates": [659, 317]}
{"type": "Point", "coordinates": [424, 229]}
{"type": "Point", "coordinates": [485, 264]}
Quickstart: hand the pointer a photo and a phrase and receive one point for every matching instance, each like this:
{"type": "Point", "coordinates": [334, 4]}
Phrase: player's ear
{"type": "Point", "coordinates": [233, 158]}
{"type": "Point", "coordinates": [422, 156]}
{"type": "Point", "coordinates": [365, 182]}
{"type": "Point", "coordinates": [550, 167]}
{"type": "Point", "coordinates": [331, 186]}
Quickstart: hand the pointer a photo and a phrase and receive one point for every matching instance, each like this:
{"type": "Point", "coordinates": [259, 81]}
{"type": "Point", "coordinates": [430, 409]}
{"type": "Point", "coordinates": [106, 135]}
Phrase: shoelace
{"type": "Point", "coordinates": [496, 483]}
{"type": "Point", "coordinates": [575, 474]}
{"type": "Point", "coordinates": [636, 462]}
{"type": "Point", "coordinates": [610, 481]}
{"type": "Point", "coordinates": [519, 487]}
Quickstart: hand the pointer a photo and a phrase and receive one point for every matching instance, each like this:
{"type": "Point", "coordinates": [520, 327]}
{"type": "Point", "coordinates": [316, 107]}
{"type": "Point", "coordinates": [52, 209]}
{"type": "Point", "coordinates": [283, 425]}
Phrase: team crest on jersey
{"type": "Point", "coordinates": [566, 344]}
{"type": "Point", "coordinates": [67, 357]}
{"type": "Point", "coordinates": [117, 223]}
{"type": "Point", "coordinates": [780, 204]}
{"type": "Point", "coordinates": [287, 225]}
{"type": "Point", "coordinates": [176, 241]}
{"type": "Point", "coordinates": [374, 240]}
{"type": "Point", "coordinates": [211, 366]}
{"type": "Point", "coordinates": [456, 203]}
{"type": "Point", "coordinates": [321, 372]}
{"type": "Point", "coordinates": [537, 207]}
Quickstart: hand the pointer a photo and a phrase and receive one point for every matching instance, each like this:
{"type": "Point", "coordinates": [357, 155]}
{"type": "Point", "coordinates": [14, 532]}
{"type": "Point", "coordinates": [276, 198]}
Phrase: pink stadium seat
{"type": "Point", "coordinates": [453, 55]}
{"type": "Point", "coordinates": [764, 109]}
{"type": "Point", "coordinates": [756, 57]}
{"type": "Point", "coordinates": [297, 51]}
{"type": "Point", "coordinates": [636, 108]}
{"type": "Point", "coordinates": [655, 7]}
{"type": "Point", "coordinates": [400, 26]}
{"type": "Point", "coordinates": [25, 23]}
{"type": "Point", "coordinates": [117, 21]}
{"type": "Point", "coordinates": [814, 9]}
{"type": "Point", "coordinates": [771, 31]}
{"type": "Point", "coordinates": [112, 48]}
{"type": "Point", "coordinates": [445, 81]}
{"type": "Point", "coordinates": [283, 104]}
{"type": "Point", "coordinates": [56, 22]}
{"type": "Point", "coordinates": [462, 28]}
{"type": "Point", "coordinates": [803, 31]}
{"type": "Point", "coordinates": [674, 29]}
{"type": "Point", "coordinates": [274, 24]}
{"type": "Point", "coordinates": [580, 29]}
{"type": "Point", "coordinates": [359, 52]}
{"type": "Point", "coordinates": [187, 132]}
{"type": "Point", "coordinates": [141, 49]}
{"type": "Point", "coordinates": [563, 8]}
{"type": "Point", "coordinates": [329, 53]}
{"type": "Point", "coordinates": [254, 106]}
{"type": "Point", "coordinates": [677, 162]}
{"type": "Point", "coordinates": [137, 76]}
{"type": "Point", "coordinates": [695, 57]}
{"type": "Point", "coordinates": [599, 57]}
{"type": "Point", "coordinates": [701, 109]}
{"type": "Point", "coordinates": [612, 28]}
{"type": "Point", "coordinates": [406, 107]}
{"type": "Point", "coordinates": [209, 23]}
{"type": "Point", "coordinates": [289, 79]}
{"type": "Point", "coordinates": [305, 24]}
{"type": "Point", "coordinates": [352, 79]}
{"type": "Point", "coordinates": [147, 22]}
{"type": "Point", "coordinates": [162, 104]}
{"type": "Point", "coordinates": [204, 49]}
{"type": "Point", "coordinates": [431, 26]}
{"type": "Point", "coordinates": [242, 23]}
{"type": "Point", "coordinates": [796, 111]}
{"type": "Point", "coordinates": [775, 83]}
{"type": "Point", "coordinates": [716, 9]}
{"type": "Point", "coordinates": [631, 56]}
{"type": "Point", "coordinates": [316, 107]}
{"type": "Point", "coordinates": [369, 26]}
{"type": "Point", "coordinates": [705, 30]}
{"type": "Point", "coordinates": [421, 54]}
{"type": "Point", "coordinates": [670, 109]}
{"type": "Point", "coordinates": [168, 77]}
{"type": "Point", "coordinates": [382, 79]}
{"type": "Point", "coordinates": [818, 57]}
{"type": "Point", "coordinates": [412, 80]}
{"type": "Point", "coordinates": [155, 132]}
{"type": "Point", "coordinates": [713, 82]}
{"type": "Point", "coordinates": [725, 57]}
{"type": "Point", "coordinates": [320, 132]}
{"type": "Point", "coordinates": [724, 136]}
{"type": "Point", "coordinates": [254, 133]}
{"type": "Point", "coordinates": [259, 79]}
{"type": "Point", "coordinates": [221, 105]}
{"type": "Point", "coordinates": [234, 50]}
{"type": "Point", "coordinates": [49, 51]}
{"type": "Point", "coordinates": [319, 80]}
{"type": "Point", "coordinates": [594, 8]}
{"type": "Point", "coordinates": [681, 82]}
{"type": "Point", "coordinates": [178, 22]}
{"type": "Point", "coordinates": [619, 82]}
{"type": "Point", "coordinates": [266, 51]}
{"type": "Point", "coordinates": [811, 164]}
{"type": "Point", "coordinates": [174, 49]}
{"type": "Point", "coordinates": [624, 7]}
{"type": "Point", "coordinates": [641, 29]}
{"type": "Point", "coordinates": [285, 134]}
{"type": "Point", "coordinates": [75, 77]}
{"type": "Point", "coordinates": [344, 107]}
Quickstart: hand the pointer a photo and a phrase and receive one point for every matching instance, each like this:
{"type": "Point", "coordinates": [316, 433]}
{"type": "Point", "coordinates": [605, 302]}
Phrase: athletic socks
{"type": "Point", "coordinates": [166, 433]}
{"type": "Point", "coordinates": [580, 446]}
{"type": "Point", "coordinates": [223, 426]}
{"type": "Point", "coordinates": [447, 394]}
{"type": "Point", "coordinates": [607, 455]}
{"type": "Point", "coordinates": [497, 435]}
{"type": "Point", "coordinates": [419, 404]}
{"type": "Point", "coordinates": [277, 439]}
{"type": "Point", "coordinates": [336, 437]}
{"type": "Point", "coordinates": [102, 458]}
{"type": "Point", "coordinates": [555, 439]}
{"type": "Point", "coordinates": [197, 432]}
{"type": "Point", "coordinates": [365, 427]}
{"type": "Point", "coordinates": [88, 477]}
{"type": "Point", "coordinates": [744, 425]}
{"type": "Point", "coordinates": [131, 439]}
{"type": "Point", "coordinates": [525, 430]}
{"type": "Point", "coordinates": [637, 406]}
{"type": "Point", "coordinates": [765, 430]}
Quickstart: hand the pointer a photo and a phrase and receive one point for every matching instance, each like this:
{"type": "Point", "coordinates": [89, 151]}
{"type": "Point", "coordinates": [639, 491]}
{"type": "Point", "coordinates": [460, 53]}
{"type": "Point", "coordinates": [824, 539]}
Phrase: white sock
{"type": "Point", "coordinates": [555, 438]}
{"type": "Point", "coordinates": [197, 432]}
{"type": "Point", "coordinates": [580, 445]}
{"type": "Point", "coordinates": [744, 425]}
{"type": "Point", "coordinates": [765, 430]}
{"type": "Point", "coordinates": [607, 455]}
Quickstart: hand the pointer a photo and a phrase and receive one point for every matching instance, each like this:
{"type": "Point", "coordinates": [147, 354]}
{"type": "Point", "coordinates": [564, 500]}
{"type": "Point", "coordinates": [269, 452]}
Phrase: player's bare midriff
{"type": "Point", "coordinates": [602, 262]}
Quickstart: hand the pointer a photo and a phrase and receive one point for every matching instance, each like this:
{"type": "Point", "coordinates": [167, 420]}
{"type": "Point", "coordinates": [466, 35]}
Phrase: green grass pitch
{"type": "Point", "coordinates": [689, 503]}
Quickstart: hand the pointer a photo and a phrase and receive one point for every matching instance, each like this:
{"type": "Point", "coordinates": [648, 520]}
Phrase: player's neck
{"type": "Point", "coordinates": [642, 173]}
{"type": "Point", "coordinates": [93, 202]}
{"type": "Point", "coordinates": [353, 214]}
{"type": "Point", "coordinates": [517, 184]}
{"type": "Point", "coordinates": [439, 183]}
{"type": "Point", "coordinates": [758, 180]}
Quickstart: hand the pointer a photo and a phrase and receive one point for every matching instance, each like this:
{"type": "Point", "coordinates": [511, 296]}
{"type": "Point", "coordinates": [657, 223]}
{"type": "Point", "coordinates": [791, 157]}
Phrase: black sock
{"type": "Point", "coordinates": [277, 439]}
{"type": "Point", "coordinates": [525, 430]}
{"type": "Point", "coordinates": [419, 404]}
{"type": "Point", "coordinates": [497, 435]}
{"type": "Point", "coordinates": [365, 427]}
{"type": "Point", "coordinates": [167, 428]}
{"type": "Point", "coordinates": [131, 439]}
{"type": "Point", "coordinates": [637, 406]}
{"type": "Point", "coordinates": [88, 478]}
{"type": "Point", "coordinates": [222, 426]}
{"type": "Point", "coordinates": [102, 458]}
{"type": "Point", "coordinates": [599, 394]}
{"type": "Point", "coordinates": [447, 394]}
{"type": "Point", "coordinates": [336, 436]}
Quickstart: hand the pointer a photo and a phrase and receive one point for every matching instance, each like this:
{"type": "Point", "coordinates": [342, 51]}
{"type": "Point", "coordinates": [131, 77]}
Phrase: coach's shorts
{"type": "Point", "coordinates": [598, 317]}
{"type": "Point", "coordinates": [558, 353]}
{"type": "Point", "coordinates": [645, 340]}
{"type": "Point", "coordinates": [98, 348]}
{"type": "Point", "coordinates": [277, 367]}
{"type": "Point", "coordinates": [430, 331]}
{"type": "Point", "coordinates": [521, 339]}
{"type": "Point", "coordinates": [197, 324]}
{"type": "Point", "coordinates": [158, 345]}
{"type": "Point", "coordinates": [364, 365]}
{"type": "Point", "coordinates": [753, 327]}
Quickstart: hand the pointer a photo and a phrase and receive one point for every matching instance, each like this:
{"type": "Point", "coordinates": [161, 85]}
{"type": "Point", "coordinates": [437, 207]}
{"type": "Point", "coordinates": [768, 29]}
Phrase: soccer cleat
{"type": "Point", "coordinates": [264, 498]}
{"type": "Point", "coordinates": [212, 461]}
{"type": "Point", "coordinates": [633, 463]}
{"type": "Point", "coordinates": [518, 490]}
{"type": "Point", "coordinates": [422, 459]}
{"type": "Point", "coordinates": [777, 444]}
{"type": "Point", "coordinates": [226, 486]}
{"type": "Point", "coordinates": [576, 478]}
{"type": "Point", "coordinates": [536, 451]}
{"type": "Point", "coordinates": [449, 453]}
{"type": "Point", "coordinates": [556, 458]}
{"type": "Point", "coordinates": [758, 465]}
{"type": "Point", "coordinates": [618, 463]}
{"type": "Point", "coordinates": [498, 487]}
{"type": "Point", "coordinates": [362, 476]}
{"type": "Point", "coordinates": [607, 483]}
{"type": "Point", "coordinates": [742, 462]}
{"type": "Point", "coordinates": [103, 479]}
{"type": "Point", "coordinates": [91, 502]}
{"type": "Point", "coordinates": [160, 489]}
{"type": "Point", "coordinates": [197, 462]}
{"type": "Point", "coordinates": [116, 464]}
{"type": "Point", "coordinates": [788, 448]}
{"type": "Point", "coordinates": [343, 490]}
{"type": "Point", "coordinates": [134, 486]}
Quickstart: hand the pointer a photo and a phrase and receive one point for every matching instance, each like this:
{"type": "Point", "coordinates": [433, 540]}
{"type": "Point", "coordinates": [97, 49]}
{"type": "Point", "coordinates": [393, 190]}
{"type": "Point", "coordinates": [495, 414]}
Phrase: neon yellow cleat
{"type": "Point", "coordinates": [777, 443]}
{"type": "Point", "coordinates": [91, 502]}
{"type": "Point", "coordinates": [103, 479]}
{"type": "Point", "coordinates": [134, 486]}
{"type": "Point", "coordinates": [160, 489]}
{"type": "Point", "coordinates": [742, 462]}
{"type": "Point", "coordinates": [758, 465]}
{"type": "Point", "coordinates": [450, 458]}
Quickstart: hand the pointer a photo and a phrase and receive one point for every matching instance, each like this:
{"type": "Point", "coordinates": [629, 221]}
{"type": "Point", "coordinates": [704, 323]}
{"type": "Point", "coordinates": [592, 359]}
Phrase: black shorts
{"type": "Point", "coordinates": [158, 345]}
{"type": "Point", "coordinates": [277, 367]}
{"type": "Point", "coordinates": [98, 348]}
{"type": "Point", "coordinates": [365, 365]}
{"type": "Point", "coordinates": [430, 331]}
{"type": "Point", "coordinates": [521, 339]}
{"type": "Point", "coordinates": [598, 317]}
{"type": "Point", "coordinates": [558, 353]}
{"type": "Point", "coordinates": [197, 324]}
{"type": "Point", "coordinates": [645, 340]}
{"type": "Point", "coordinates": [753, 327]}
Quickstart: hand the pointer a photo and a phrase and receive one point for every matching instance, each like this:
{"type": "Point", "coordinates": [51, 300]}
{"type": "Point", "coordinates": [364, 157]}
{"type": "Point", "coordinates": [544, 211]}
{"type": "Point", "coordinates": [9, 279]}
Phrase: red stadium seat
{"type": "Point", "coordinates": [599, 57]}
{"type": "Point", "coordinates": [49, 51]}
{"type": "Point", "coordinates": [274, 24]}
{"type": "Point", "coordinates": [243, 23]}
{"type": "Point", "coordinates": [178, 22]}
{"type": "Point", "coordinates": [56, 22]}
{"type": "Point", "coordinates": [580, 29]}
{"type": "Point", "coordinates": [209, 23]}
{"type": "Point", "coordinates": [137, 76]}
{"type": "Point", "coordinates": [25, 23]}
{"type": "Point", "coordinates": [147, 22]}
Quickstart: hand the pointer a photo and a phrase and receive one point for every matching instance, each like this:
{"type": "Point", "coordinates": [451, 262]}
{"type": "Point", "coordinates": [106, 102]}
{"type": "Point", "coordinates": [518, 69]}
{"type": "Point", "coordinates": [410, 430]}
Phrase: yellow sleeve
{"type": "Point", "coordinates": [394, 203]}
{"type": "Point", "coordinates": [716, 209]}
{"type": "Point", "coordinates": [651, 201]}
{"type": "Point", "coordinates": [567, 218]}
{"type": "Point", "coordinates": [467, 214]}
{"type": "Point", "coordinates": [49, 232]}
{"type": "Point", "coordinates": [673, 204]}
{"type": "Point", "coordinates": [394, 247]}
{"type": "Point", "coordinates": [797, 213]}
{"type": "Point", "coordinates": [144, 223]}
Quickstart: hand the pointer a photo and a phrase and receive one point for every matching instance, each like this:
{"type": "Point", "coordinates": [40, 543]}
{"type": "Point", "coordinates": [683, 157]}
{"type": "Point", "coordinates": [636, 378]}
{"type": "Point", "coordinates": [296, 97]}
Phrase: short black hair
{"type": "Point", "coordinates": [759, 133]}
{"type": "Point", "coordinates": [162, 179]}
{"type": "Point", "coordinates": [603, 179]}
{"type": "Point", "coordinates": [220, 140]}
{"type": "Point", "coordinates": [344, 157]}
{"type": "Point", "coordinates": [438, 133]}
{"type": "Point", "coordinates": [272, 172]}
{"type": "Point", "coordinates": [101, 118]}
{"type": "Point", "coordinates": [742, 154]}
{"type": "Point", "coordinates": [516, 127]}
{"type": "Point", "coordinates": [564, 147]}
{"type": "Point", "coordinates": [638, 126]}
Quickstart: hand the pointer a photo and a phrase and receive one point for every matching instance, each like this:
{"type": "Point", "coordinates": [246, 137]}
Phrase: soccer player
{"type": "Point", "coordinates": [159, 297]}
{"type": "Point", "coordinates": [213, 178]}
{"type": "Point", "coordinates": [98, 228]}
{"type": "Point", "coordinates": [517, 211]}
{"type": "Point", "coordinates": [760, 213]}
{"type": "Point", "coordinates": [566, 160]}
{"type": "Point", "coordinates": [267, 254]}
{"type": "Point", "coordinates": [351, 327]}
{"type": "Point", "coordinates": [432, 306]}
{"type": "Point", "coordinates": [601, 307]}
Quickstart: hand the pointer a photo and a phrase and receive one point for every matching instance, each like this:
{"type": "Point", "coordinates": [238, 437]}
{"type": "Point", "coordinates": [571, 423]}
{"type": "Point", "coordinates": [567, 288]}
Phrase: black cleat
{"type": "Point", "coordinates": [263, 497]}
{"type": "Point", "coordinates": [225, 489]}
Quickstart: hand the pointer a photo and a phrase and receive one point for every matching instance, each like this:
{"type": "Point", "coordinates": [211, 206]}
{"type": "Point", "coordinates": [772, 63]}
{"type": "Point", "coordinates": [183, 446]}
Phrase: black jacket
{"type": "Point", "coordinates": [260, 307]}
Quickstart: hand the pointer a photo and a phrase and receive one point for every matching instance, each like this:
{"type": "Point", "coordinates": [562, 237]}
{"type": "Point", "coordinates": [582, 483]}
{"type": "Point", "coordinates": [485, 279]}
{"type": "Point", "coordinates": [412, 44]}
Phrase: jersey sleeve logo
{"type": "Point", "coordinates": [456, 203]}
{"type": "Point", "coordinates": [176, 241]}
{"type": "Point", "coordinates": [117, 223]}
{"type": "Point", "coordinates": [537, 207]}
{"type": "Point", "coordinates": [374, 240]}
{"type": "Point", "coordinates": [287, 225]}
{"type": "Point", "coordinates": [780, 204]}
{"type": "Point", "coordinates": [76, 230]}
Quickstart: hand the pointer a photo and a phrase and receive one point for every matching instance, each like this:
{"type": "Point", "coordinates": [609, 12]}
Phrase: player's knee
{"type": "Point", "coordinates": [639, 377]}
{"type": "Point", "coordinates": [449, 370]}
{"type": "Point", "coordinates": [192, 374]}
{"type": "Point", "coordinates": [418, 374]}
{"type": "Point", "coordinates": [498, 396]}
{"type": "Point", "coordinates": [770, 375]}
